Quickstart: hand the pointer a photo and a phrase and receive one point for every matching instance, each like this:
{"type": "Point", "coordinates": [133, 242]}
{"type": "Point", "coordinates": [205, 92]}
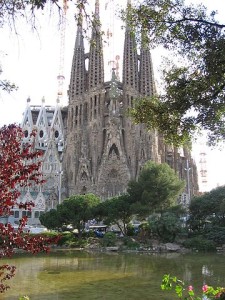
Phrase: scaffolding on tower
{"type": "Point", "coordinates": [203, 168]}
{"type": "Point", "coordinates": [61, 77]}
{"type": "Point", "coordinates": [116, 66]}
{"type": "Point", "coordinates": [112, 58]}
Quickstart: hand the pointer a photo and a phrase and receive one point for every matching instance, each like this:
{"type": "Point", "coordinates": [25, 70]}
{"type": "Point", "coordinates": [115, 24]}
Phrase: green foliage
{"type": "Point", "coordinates": [130, 243]}
{"type": "Point", "coordinates": [157, 188]}
{"type": "Point", "coordinates": [117, 210]}
{"type": "Point", "coordinates": [51, 219]}
{"type": "Point", "coordinates": [77, 210]}
{"type": "Point", "coordinates": [199, 243]}
{"type": "Point", "coordinates": [65, 238]}
{"type": "Point", "coordinates": [170, 283]}
{"type": "Point", "coordinates": [68, 239]}
{"type": "Point", "coordinates": [144, 233]}
{"type": "Point", "coordinates": [76, 243]}
{"type": "Point", "coordinates": [177, 210]}
{"type": "Point", "coordinates": [50, 234]}
{"type": "Point", "coordinates": [166, 226]}
{"type": "Point", "coordinates": [216, 234]}
{"type": "Point", "coordinates": [207, 220]}
{"type": "Point", "coordinates": [193, 96]}
{"type": "Point", "coordinates": [130, 230]}
{"type": "Point", "coordinates": [109, 239]}
{"type": "Point", "coordinates": [7, 86]}
{"type": "Point", "coordinates": [207, 210]}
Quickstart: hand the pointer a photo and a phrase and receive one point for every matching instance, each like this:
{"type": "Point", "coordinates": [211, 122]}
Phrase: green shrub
{"type": "Point", "coordinates": [88, 234]}
{"type": "Point", "coordinates": [109, 239]}
{"type": "Point", "coordinates": [217, 235]}
{"type": "Point", "coordinates": [65, 238]}
{"type": "Point", "coordinates": [130, 243]}
{"type": "Point", "coordinates": [50, 234]}
{"type": "Point", "coordinates": [199, 243]}
{"type": "Point", "coordinates": [76, 243]}
{"type": "Point", "coordinates": [166, 226]}
{"type": "Point", "coordinates": [130, 230]}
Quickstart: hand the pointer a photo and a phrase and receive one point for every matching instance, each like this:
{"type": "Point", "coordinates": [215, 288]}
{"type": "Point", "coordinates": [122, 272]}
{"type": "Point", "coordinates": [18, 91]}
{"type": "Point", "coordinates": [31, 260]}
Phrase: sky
{"type": "Point", "coordinates": [31, 58]}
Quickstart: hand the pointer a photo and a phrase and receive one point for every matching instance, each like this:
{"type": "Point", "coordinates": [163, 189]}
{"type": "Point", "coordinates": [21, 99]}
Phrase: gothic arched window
{"type": "Point", "coordinates": [114, 150]}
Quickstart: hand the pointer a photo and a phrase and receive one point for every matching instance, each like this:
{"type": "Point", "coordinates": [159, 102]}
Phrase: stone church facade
{"type": "Point", "coordinates": [92, 146]}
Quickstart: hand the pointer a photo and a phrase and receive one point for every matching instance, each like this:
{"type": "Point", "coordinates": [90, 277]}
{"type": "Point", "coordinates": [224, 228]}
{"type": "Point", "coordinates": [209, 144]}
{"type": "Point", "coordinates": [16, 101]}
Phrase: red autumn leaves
{"type": "Point", "coordinates": [19, 168]}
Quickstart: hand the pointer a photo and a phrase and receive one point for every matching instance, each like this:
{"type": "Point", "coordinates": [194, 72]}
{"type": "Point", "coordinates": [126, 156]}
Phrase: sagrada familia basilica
{"type": "Point", "coordinates": [91, 145]}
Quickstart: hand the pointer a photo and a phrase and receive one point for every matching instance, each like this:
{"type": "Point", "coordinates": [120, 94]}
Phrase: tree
{"type": "Point", "coordinates": [167, 226]}
{"type": "Point", "coordinates": [208, 210]}
{"type": "Point", "coordinates": [117, 210]}
{"type": "Point", "coordinates": [11, 11]}
{"type": "Point", "coordinates": [193, 93]}
{"type": "Point", "coordinates": [77, 210]}
{"type": "Point", "coordinates": [6, 85]}
{"type": "Point", "coordinates": [51, 219]}
{"type": "Point", "coordinates": [156, 189]}
{"type": "Point", "coordinates": [19, 167]}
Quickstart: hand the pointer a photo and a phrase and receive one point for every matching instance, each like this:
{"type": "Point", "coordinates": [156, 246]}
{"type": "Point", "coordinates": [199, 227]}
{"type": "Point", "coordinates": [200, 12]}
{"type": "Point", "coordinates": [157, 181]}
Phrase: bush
{"type": "Point", "coordinates": [50, 234]}
{"type": "Point", "coordinates": [88, 234]}
{"type": "Point", "coordinates": [109, 239]}
{"type": "Point", "coordinates": [217, 235]}
{"type": "Point", "coordinates": [76, 243]}
{"type": "Point", "coordinates": [65, 238]}
{"type": "Point", "coordinates": [199, 243]}
{"type": "Point", "coordinates": [130, 243]}
{"type": "Point", "coordinates": [130, 230]}
{"type": "Point", "coordinates": [166, 226]}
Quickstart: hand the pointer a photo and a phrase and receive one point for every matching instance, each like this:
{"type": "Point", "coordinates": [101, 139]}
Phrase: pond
{"type": "Point", "coordinates": [66, 275]}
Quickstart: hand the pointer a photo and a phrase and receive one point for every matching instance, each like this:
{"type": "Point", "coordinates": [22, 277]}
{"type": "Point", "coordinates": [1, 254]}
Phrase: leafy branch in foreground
{"type": "Point", "coordinates": [208, 292]}
{"type": "Point", "coordinates": [193, 93]}
{"type": "Point", "coordinates": [6, 85]}
{"type": "Point", "coordinates": [19, 167]}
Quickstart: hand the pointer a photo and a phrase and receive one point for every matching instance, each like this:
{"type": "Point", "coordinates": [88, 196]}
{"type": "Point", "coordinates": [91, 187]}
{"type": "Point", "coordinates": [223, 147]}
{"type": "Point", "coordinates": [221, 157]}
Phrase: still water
{"type": "Point", "coordinates": [66, 275]}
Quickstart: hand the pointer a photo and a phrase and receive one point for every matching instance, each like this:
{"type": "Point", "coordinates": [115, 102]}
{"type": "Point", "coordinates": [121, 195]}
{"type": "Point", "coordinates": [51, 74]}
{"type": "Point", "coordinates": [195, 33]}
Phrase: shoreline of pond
{"type": "Point", "coordinates": [156, 247]}
{"type": "Point", "coordinates": [162, 248]}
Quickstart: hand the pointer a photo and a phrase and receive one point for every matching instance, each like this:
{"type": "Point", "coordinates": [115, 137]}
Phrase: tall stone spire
{"type": "Point", "coordinates": [96, 63]}
{"type": "Point", "coordinates": [130, 59]}
{"type": "Point", "coordinates": [146, 74]}
{"type": "Point", "coordinates": [97, 8]}
{"type": "Point", "coordinates": [77, 78]}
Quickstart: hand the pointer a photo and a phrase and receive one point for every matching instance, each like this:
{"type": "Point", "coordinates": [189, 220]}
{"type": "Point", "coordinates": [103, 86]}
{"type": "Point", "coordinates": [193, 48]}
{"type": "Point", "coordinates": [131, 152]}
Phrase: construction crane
{"type": "Point", "coordinates": [203, 168]}
{"type": "Point", "coordinates": [116, 66]}
{"type": "Point", "coordinates": [60, 77]}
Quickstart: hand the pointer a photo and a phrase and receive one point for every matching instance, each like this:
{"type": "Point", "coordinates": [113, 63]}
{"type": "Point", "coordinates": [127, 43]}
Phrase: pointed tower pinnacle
{"type": "Point", "coordinates": [77, 78]}
{"type": "Point", "coordinates": [146, 74]}
{"type": "Point", "coordinates": [97, 9]}
{"type": "Point", "coordinates": [96, 62]}
{"type": "Point", "coordinates": [79, 38]}
{"type": "Point", "coordinates": [130, 59]}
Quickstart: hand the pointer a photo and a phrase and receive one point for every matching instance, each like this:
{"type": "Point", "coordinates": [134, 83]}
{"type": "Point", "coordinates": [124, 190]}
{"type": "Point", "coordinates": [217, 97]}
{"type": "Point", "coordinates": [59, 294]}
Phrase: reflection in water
{"type": "Point", "coordinates": [81, 275]}
{"type": "Point", "coordinates": [206, 271]}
